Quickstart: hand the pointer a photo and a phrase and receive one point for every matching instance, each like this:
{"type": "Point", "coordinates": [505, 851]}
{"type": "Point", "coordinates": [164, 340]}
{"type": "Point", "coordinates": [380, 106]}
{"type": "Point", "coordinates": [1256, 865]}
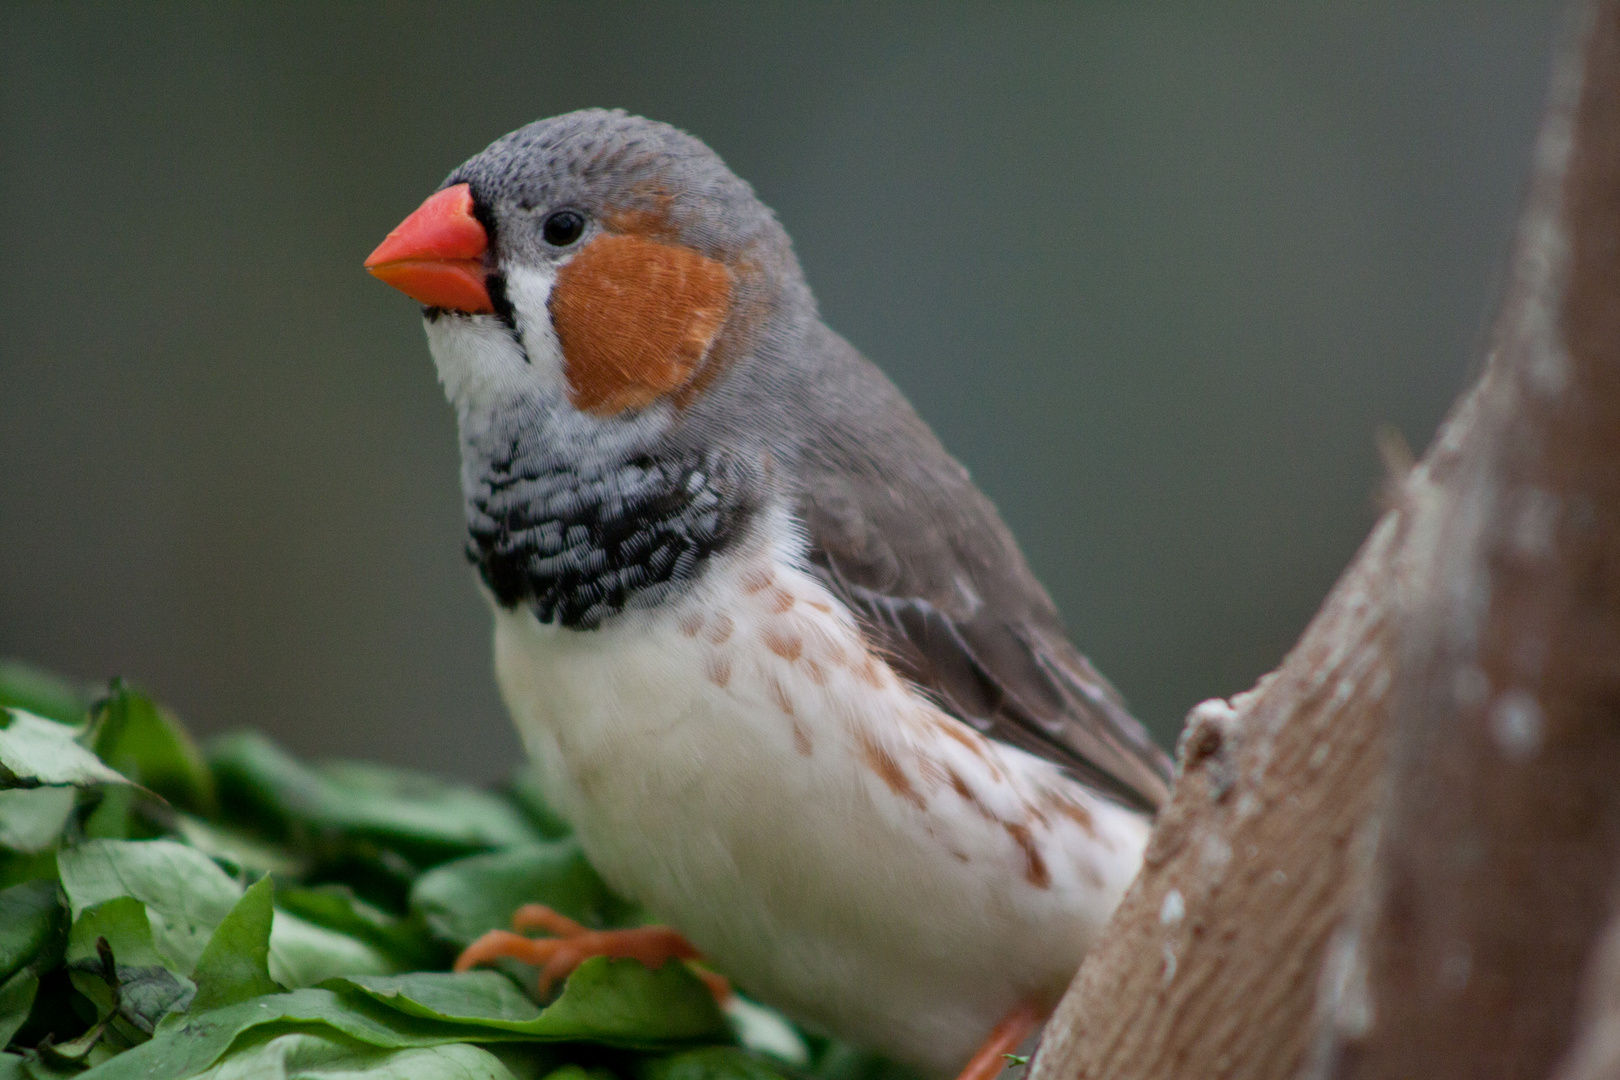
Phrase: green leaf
{"type": "Point", "coordinates": [185, 894]}
{"type": "Point", "coordinates": [32, 923]}
{"type": "Point", "coordinates": [623, 1002]}
{"type": "Point", "coordinates": [335, 907]}
{"type": "Point", "coordinates": [149, 992]}
{"type": "Point", "coordinates": [35, 751]}
{"type": "Point", "coordinates": [431, 818]}
{"type": "Point", "coordinates": [32, 821]}
{"type": "Point", "coordinates": [462, 900]}
{"type": "Point", "coordinates": [23, 686]}
{"type": "Point", "coordinates": [187, 1045]}
{"type": "Point", "coordinates": [303, 954]}
{"type": "Point", "coordinates": [148, 745]}
{"type": "Point", "coordinates": [241, 850]}
{"type": "Point", "coordinates": [167, 911]}
{"type": "Point", "coordinates": [16, 999]}
{"type": "Point", "coordinates": [618, 1002]}
{"type": "Point", "coordinates": [710, 1063]}
{"type": "Point", "coordinates": [16, 867]}
{"type": "Point", "coordinates": [124, 922]}
{"type": "Point", "coordinates": [485, 997]}
{"type": "Point", "coordinates": [537, 1061]}
{"type": "Point", "coordinates": [235, 964]}
{"type": "Point", "coordinates": [65, 1059]}
{"type": "Point", "coordinates": [142, 987]}
{"type": "Point", "coordinates": [113, 816]}
{"type": "Point", "coordinates": [301, 1056]}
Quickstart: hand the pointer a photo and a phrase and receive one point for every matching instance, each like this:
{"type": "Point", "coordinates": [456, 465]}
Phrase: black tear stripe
{"type": "Point", "coordinates": [495, 286]}
{"type": "Point", "coordinates": [579, 549]}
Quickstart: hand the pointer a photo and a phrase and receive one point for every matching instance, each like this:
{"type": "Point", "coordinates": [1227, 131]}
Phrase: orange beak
{"type": "Point", "coordinates": [436, 255]}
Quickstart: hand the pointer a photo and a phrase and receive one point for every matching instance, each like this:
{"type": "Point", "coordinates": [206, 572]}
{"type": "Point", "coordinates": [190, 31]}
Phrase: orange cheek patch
{"type": "Point", "coordinates": [635, 319]}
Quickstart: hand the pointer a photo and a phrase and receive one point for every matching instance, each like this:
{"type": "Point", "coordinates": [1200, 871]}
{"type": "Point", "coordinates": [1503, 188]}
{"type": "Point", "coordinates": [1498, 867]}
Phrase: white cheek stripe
{"type": "Point", "coordinates": [529, 291]}
{"type": "Point", "coordinates": [482, 367]}
{"type": "Point", "coordinates": [493, 383]}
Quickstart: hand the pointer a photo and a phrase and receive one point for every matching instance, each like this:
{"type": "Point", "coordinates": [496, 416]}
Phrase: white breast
{"type": "Point", "coordinates": [740, 763]}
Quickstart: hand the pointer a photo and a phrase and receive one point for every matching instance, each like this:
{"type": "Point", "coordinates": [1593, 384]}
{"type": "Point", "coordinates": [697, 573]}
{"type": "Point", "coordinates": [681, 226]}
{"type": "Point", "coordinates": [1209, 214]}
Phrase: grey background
{"type": "Point", "coordinates": [1156, 274]}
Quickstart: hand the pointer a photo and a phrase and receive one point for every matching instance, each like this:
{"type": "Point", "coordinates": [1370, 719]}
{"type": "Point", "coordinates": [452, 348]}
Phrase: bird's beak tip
{"type": "Point", "coordinates": [436, 255]}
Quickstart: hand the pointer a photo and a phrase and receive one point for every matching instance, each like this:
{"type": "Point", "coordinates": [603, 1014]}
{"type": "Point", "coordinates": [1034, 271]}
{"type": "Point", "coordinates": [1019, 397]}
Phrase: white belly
{"type": "Point", "coordinates": [740, 764]}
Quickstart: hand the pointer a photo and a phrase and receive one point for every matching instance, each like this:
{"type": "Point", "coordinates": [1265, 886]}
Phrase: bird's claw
{"type": "Point", "coordinates": [571, 944]}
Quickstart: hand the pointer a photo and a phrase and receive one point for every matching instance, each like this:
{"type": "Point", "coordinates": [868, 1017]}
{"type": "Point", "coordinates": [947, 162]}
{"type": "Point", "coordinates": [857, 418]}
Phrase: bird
{"type": "Point", "coordinates": [777, 660]}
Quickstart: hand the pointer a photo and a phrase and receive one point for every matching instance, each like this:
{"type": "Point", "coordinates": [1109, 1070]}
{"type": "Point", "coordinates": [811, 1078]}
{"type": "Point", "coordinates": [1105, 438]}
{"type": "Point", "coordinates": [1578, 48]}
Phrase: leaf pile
{"type": "Point", "coordinates": [167, 912]}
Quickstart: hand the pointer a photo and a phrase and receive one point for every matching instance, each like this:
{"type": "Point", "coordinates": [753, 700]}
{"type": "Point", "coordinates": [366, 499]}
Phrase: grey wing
{"type": "Point", "coordinates": [922, 556]}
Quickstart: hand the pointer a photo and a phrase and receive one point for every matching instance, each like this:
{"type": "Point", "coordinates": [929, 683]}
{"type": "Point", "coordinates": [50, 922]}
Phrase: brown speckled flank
{"type": "Point", "coordinates": [793, 647]}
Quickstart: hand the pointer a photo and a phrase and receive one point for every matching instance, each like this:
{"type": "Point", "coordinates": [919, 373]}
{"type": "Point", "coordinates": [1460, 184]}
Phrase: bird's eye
{"type": "Point", "coordinates": [563, 227]}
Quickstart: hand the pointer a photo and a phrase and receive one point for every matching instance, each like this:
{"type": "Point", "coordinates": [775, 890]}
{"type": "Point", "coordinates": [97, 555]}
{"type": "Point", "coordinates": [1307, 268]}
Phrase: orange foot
{"type": "Point", "coordinates": [572, 944]}
{"type": "Point", "coordinates": [1004, 1038]}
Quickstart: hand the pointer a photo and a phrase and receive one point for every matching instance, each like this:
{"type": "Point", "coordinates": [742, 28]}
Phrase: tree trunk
{"type": "Point", "coordinates": [1397, 855]}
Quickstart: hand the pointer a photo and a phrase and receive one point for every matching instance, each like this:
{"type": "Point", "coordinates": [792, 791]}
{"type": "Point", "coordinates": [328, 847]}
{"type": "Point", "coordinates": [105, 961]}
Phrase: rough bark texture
{"type": "Point", "coordinates": [1498, 844]}
{"type": "Point", "coordinates": [1396, 855]}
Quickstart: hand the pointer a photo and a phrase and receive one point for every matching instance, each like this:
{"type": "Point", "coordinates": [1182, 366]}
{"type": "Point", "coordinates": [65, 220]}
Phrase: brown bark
{"type": "Point", "coordinates": [1395, 856]}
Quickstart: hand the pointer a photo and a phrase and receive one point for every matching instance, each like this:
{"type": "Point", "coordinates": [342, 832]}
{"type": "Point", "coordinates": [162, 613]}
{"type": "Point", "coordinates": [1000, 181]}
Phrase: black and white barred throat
{"type": "Point", "coordinates": [580, 547]}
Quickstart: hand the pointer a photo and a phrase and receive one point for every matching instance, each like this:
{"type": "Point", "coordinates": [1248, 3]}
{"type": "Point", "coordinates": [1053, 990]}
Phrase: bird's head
{"type": "Point", "coordinates": [598, 265]}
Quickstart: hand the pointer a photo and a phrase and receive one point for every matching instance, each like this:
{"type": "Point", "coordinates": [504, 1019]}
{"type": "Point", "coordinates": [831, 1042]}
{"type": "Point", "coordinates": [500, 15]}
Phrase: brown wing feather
{"type": "Point", "coordinates": [924, 558]}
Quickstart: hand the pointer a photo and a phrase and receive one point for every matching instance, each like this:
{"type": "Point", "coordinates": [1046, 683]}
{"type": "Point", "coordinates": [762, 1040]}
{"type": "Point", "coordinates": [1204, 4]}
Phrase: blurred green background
{"type": "Point", "coordinates": [1155, 273]}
